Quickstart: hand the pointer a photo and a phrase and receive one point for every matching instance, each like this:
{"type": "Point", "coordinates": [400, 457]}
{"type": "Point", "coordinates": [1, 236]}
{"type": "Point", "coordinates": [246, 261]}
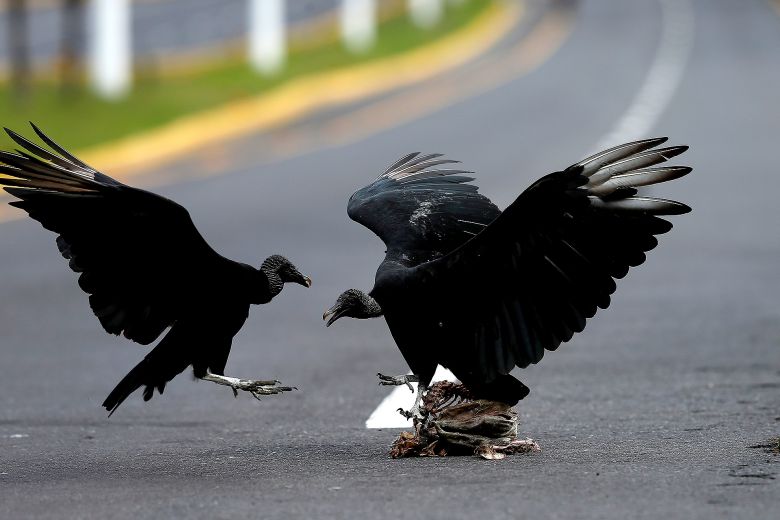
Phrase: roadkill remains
{"type": "Point", "coordinates": [454, 423]}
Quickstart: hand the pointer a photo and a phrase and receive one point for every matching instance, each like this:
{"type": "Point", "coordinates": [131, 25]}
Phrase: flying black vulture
{"type": "Point", "coordinates": [145, 267]}
{"type": "Point", "coordinates": [480, 291]}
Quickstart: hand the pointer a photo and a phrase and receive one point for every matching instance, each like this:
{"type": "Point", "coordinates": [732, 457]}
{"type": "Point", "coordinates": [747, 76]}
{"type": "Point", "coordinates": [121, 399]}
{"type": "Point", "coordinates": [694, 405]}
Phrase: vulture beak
{"type": "Point", "coordinates": [303, 280]}
{"type": "Point", "coordinates": [333, 313]}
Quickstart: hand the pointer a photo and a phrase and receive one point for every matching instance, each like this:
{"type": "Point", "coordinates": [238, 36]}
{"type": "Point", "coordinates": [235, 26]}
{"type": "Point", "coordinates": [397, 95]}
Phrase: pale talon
{"type": "Point", "coordinates": [398, 380]}
{"type": "Point", "coordinates": [257, 388]}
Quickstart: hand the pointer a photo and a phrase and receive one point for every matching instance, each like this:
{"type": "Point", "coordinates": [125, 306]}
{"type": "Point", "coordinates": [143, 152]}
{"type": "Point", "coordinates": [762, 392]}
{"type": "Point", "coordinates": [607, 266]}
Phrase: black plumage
{"type": "Point", "coordinates": [144, 265]}
{"type": "Point", "coordinates": [480, 291]}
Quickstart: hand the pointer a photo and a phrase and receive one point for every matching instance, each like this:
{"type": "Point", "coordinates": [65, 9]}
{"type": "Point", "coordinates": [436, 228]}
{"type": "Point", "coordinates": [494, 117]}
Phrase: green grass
{"type": "Point", "coordinates": [78, 119]}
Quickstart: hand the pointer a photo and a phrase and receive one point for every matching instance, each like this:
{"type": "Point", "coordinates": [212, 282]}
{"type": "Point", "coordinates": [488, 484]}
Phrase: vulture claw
{"type": "Point", "coordinates": [257, 388]}
{"type": "Point", "coordinates": [398, 380]}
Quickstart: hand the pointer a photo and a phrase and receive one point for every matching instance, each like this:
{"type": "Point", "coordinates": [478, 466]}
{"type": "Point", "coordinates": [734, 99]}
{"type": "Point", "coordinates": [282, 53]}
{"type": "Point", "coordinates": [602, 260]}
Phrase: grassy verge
{"type": "Point", "coordinates": [84, 120]}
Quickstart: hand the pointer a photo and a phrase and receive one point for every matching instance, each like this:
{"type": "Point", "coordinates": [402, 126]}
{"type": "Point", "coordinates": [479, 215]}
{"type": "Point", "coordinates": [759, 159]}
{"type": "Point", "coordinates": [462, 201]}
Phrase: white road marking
{"type": "Point", "coordinates": [663, 77]}
{"type": "Point", "coordinates": [652, 99]}
{"type": "Point", "coordinates": [386, 414]}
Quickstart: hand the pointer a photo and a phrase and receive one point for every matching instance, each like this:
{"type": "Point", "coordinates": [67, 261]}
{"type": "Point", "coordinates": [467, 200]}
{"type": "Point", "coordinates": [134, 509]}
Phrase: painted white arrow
{"type": "Point", "coordinates": [386, 414]}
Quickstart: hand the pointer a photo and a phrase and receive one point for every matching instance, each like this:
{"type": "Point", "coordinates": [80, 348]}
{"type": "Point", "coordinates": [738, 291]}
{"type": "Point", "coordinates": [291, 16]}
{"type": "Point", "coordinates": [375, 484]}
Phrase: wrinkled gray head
{"type": "Point", "coordinates": [280, 271]}
{"type": "Point", "coordinates": [353, 304]}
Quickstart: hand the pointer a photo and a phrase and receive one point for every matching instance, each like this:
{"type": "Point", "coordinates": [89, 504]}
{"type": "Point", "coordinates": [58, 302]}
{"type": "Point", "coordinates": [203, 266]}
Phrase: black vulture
{"type": "Point", "coordinates": [145, 267]}
{"type": "Point", "coordinates": [479, 290]}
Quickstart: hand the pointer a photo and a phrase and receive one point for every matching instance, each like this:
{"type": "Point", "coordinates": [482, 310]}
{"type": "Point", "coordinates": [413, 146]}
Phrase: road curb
{"type": "Point", "coordinates": [302, 97]}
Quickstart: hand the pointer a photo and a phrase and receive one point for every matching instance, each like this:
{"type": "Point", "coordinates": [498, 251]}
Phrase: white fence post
{"type": "Point", "coordinates": [110, 47]}
{"type": "Point", "coordinates": [358, 24]}
{"type": "Point", "coordinates": [267, 35]}
{"type": "Point", "coordinates": [426, 13]}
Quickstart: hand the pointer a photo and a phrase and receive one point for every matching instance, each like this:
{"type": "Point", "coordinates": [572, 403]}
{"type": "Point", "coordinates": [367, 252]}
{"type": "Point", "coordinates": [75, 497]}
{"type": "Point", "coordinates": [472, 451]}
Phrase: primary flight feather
{"type": "Point", "coordinates": [481, 291]}
{"type": "Point", "coordinates": [145, 267]}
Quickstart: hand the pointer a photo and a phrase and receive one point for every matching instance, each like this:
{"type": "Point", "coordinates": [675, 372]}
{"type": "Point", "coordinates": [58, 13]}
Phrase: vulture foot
{"type": "Point", "coordinates": [257, 388]}
{"type": "Point", "coordinates": [399, 380]}
{"type": "Point", "coordinates": [414, 413]}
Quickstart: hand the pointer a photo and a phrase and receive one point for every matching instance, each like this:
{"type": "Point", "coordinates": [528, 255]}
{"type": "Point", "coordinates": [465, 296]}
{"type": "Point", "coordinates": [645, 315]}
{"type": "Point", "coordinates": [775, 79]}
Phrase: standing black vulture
{"type": "Point", "coordinates": [145, 266]}
{"type": "Point", "coordinates": [480, 291]}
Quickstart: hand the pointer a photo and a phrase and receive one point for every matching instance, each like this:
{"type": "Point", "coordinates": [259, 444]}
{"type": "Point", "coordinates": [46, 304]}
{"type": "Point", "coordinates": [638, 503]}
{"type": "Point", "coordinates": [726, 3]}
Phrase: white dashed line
{"type": "Point", "coordinates": [663, 77]}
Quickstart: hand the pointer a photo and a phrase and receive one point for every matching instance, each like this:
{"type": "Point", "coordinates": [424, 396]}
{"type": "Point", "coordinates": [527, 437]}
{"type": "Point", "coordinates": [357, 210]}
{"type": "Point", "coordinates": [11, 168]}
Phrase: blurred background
{"type": "Point", "coordinates": [136, 64]}
{"type": "Point", "coordinates": [263, 116]}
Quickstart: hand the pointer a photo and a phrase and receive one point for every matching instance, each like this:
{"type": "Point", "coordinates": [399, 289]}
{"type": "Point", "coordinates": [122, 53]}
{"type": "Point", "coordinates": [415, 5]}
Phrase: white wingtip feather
{"type": "Point", "coordinates": [647, 204]}
{"type": "Point", "coordinates": [593, 163]}
{"type": "Point", "coordinates": [637, 178]}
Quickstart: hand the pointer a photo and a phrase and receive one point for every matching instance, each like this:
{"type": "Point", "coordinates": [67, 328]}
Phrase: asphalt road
{"type": "Point", "coordinates": [160, 27]}
{"type": "Point", "coordinates": [650, 413]}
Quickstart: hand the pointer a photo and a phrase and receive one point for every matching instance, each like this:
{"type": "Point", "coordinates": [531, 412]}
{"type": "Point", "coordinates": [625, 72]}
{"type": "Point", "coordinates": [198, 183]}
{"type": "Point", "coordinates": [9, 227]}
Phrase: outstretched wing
{"type": "Point", "coordinates": [422, 212]}
{"type": "Point", "coordinates": [136, 251]}
{"type": "Point", "coordinates": [532, 277]}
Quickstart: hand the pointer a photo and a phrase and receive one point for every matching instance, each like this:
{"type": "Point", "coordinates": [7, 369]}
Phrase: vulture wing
{"type": "Point", "coordinates": [137, 252]}
{"type": "Point", "coordinates": [421, 211]}
{"type": "Point", "coordinates": [532, 277]}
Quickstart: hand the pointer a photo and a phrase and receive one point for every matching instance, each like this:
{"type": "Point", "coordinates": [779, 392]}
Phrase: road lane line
{"type": "Point", "coordinates": [663, 78]}
{"type": "Point", "coordinates": [538, 45]}
{"type": "Point", "coordinates": [304, 96]}
{"type": "Point", "coordinates": [532, 51]}
{"type": "Point", "coordinates": [135, 155]}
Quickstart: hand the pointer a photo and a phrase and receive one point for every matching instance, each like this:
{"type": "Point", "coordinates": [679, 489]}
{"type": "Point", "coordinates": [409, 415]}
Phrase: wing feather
{"type": "Point", "coordinates": [422, 211]}
{"type": "Point", "coordinates": [138, 254]}
{"type": "Point", "coordinates": [532, 278]}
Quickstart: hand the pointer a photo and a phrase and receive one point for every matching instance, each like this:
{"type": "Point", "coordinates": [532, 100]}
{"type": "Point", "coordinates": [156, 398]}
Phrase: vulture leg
{"type": "Point", "coordinates": [399, 380]}
{"type": "Point", "coordinates": [415, 412]}
{"type": "Point", "coordinates": [256, 388]}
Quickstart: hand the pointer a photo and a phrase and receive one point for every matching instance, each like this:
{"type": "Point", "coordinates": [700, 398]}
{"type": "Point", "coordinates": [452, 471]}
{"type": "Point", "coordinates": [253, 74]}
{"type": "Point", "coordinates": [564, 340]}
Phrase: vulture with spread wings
{"type": "Point", "coordinates": [145, 267]}
{"type": "Point", "coordinates": [481, 291]}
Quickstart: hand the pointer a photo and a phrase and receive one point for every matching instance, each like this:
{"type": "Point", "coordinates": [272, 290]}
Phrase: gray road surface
{"type": "Point", "coordinates": [650, 413]}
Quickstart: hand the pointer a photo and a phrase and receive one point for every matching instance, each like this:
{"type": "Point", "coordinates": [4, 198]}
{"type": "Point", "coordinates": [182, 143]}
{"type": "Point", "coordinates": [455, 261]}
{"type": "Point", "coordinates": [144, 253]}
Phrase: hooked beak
{"type": "Point", "coordinates": [304, 280]}
{"type": "Point", "coordinates": [332, 315]}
